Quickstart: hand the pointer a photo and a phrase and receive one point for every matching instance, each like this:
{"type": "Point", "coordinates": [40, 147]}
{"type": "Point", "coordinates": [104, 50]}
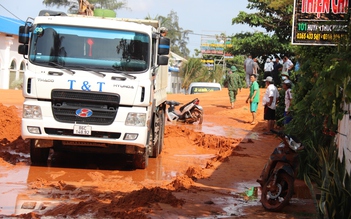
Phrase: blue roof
{"type": "Point", "coordinates": [10, 25]}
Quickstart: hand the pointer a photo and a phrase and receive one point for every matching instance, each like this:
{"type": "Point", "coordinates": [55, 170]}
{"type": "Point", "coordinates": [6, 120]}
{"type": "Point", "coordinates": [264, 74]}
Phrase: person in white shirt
{"type": "Point", "coordinates": [288, 98]}
{"type": "Point", "coordinates": [269, 102]}
{"type": "Point", "coordinates": [268, 68]}
{"type": "Point", "coordinates": [287, 65]}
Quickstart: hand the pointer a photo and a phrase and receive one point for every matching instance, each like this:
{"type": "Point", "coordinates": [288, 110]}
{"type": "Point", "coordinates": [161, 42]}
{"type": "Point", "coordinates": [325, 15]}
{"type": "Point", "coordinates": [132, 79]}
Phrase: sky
{"type": "Point", "coordinates": [203, 17]}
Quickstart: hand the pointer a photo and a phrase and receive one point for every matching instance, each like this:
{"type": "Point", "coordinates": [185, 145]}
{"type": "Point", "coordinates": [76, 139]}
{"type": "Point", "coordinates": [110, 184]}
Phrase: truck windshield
{"type": "Point", "coordinates": [94, 48]}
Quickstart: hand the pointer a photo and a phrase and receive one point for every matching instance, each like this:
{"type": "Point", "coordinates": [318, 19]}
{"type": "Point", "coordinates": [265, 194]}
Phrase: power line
{"type": "Point", "coordinates": [11, 12]}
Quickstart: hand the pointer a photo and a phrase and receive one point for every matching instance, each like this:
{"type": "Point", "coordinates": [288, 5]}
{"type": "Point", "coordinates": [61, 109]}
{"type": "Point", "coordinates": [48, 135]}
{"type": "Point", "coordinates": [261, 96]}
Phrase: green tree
{"type": "Point", "coordinates": [258, 44]}
{"type": "Point", "coordinates": [191, 71]}
{"type": "Point", "coordinates": [322, 88]}
{"type": "Point", "coordinates": [178, 36]}
{"type": "Point", "coordinates": [275, 17]}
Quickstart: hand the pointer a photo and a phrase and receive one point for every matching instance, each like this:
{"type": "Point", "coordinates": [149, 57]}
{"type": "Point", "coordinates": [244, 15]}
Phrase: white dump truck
{"type": "Point", "coordinates": [94, 84]}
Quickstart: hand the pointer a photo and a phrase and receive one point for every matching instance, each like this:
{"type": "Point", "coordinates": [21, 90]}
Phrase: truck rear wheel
{"type": "Point", "coordinates": [38, 156]}
{"type": "Point", "coordinates": [162, 128]}
{"type": "Point", "coordinates": [156, 137]}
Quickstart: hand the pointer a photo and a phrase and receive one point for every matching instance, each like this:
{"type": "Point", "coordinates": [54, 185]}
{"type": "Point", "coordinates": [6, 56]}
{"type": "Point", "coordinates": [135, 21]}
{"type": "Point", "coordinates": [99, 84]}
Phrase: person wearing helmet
{"type": "Point", "coordinates": [233, 82]}
{"type": "Point", "coordinates": [288, 98]}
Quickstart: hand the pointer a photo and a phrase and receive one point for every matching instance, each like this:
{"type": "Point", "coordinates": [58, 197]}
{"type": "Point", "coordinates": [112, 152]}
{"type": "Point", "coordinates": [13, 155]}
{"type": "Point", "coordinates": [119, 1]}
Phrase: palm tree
{"type": "Point", "coordinates": [192, 70]}
{"type": "Point", "coordinates": [178, 36]}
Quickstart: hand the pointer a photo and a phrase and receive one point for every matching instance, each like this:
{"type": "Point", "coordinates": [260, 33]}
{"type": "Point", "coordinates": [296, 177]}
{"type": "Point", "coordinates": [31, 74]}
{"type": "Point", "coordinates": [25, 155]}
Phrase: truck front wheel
{"type": "Point", "coordinates": [141, 161]}
{"type": "Point", "coordinates": [38, 156]}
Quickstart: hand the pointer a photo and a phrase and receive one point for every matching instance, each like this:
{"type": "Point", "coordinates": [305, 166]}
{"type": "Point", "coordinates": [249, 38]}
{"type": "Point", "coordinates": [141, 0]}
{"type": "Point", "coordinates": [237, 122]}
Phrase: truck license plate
{"type": "Point", "coordinates": [82, 130]}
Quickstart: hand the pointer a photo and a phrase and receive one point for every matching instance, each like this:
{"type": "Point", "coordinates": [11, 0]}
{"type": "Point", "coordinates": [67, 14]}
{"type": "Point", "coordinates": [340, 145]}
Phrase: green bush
{"type": "Point", "coordinates": [322, 87]}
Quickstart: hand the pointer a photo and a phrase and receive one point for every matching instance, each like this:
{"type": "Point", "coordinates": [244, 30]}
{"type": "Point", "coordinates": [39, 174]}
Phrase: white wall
{"type": "Point", "coordinates": [8, 54]}
{"type": "Point", "coordinates": [174, 83]}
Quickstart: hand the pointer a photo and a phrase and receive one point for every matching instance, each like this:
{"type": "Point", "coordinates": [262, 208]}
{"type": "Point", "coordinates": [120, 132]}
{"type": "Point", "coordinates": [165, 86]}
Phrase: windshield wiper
{"type": "Point", "coordinates": [123, 73]}
{"type": "Point", "coordinates": [62, 67]}
{"type": "Point", "coordinates": [128, 75]}
{"type": "Point", "coordinates": [90, 70]}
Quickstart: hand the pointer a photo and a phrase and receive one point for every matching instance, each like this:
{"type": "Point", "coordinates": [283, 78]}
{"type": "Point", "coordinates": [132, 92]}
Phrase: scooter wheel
{"type": "Point", "coordinates": [276, 197]}
{"type": "Point", "coordinates": [201, 118]}
{"type": "Point", "coordinates": [199, 115]}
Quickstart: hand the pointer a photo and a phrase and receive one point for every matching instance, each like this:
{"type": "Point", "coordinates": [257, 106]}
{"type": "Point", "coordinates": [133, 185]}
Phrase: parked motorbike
{"type": "Point", "coordinates": [278, 175]}
{"type": "Point", "coordinates": [189, 113]}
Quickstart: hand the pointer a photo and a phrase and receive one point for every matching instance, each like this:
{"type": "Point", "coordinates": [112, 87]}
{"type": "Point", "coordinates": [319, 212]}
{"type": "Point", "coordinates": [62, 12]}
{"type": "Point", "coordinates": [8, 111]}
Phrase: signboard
{"type": "Point", "coordinates": [214, 47]}
{"type": "Point", "coordinates": [319, 22]}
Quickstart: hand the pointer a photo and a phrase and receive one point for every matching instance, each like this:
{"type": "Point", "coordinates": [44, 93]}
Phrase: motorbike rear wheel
{"type": "Point", "coordinates": [276, 197]}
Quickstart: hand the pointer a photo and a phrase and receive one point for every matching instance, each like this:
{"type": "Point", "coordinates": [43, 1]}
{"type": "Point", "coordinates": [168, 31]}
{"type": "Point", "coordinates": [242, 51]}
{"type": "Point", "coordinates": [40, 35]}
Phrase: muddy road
{"type": "Point", "coordinates": [206, 171]}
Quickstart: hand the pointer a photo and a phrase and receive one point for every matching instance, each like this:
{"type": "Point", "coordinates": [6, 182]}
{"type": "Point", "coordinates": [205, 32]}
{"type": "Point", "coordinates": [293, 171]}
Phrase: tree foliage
{"type": "Point", "coordinates": [323, 86]}
{"type": "Point", "coordinates": [275, 17]}
{"type": "Point", "coordinates": [178, 36]}
{"type": "Point", "coordinates": [194, 71]}
{"type": "Point", "coordinates": [191, 71]}
{"type": "Point", "coordinates": [257, 44]}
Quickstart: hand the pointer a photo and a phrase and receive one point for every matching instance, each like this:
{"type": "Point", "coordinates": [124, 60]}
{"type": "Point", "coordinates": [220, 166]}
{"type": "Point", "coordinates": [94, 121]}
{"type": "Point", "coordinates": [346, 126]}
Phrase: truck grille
{"type": "Point", "coordinates": [65, 103]}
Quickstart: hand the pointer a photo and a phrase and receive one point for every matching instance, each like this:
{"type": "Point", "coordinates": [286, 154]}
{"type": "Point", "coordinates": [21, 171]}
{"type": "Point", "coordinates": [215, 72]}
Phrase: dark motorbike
{"type": "Point", "coordinates": [189, 113]}
{"type": "Point", "coordinates": [278, 176]}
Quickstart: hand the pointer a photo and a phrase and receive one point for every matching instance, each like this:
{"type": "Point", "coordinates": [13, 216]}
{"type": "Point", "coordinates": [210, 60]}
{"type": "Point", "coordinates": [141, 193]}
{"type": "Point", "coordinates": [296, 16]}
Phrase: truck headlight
{"type": "Point", "coordinates": [136, 119]}
{"type": "Point", "coordinates": [32, 112]}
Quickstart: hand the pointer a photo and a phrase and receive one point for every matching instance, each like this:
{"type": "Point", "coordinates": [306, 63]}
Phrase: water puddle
{"type": "Point", "coordinates": [25, 204]}
{"type": "Point", "coordinates": [226, 131]}
{"type": "Point", "coordinates": [13, 181]}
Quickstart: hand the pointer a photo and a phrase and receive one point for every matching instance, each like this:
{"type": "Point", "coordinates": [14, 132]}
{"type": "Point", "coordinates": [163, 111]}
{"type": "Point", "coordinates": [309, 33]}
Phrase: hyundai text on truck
{"type": "Point", "coordinates": [94, 84]}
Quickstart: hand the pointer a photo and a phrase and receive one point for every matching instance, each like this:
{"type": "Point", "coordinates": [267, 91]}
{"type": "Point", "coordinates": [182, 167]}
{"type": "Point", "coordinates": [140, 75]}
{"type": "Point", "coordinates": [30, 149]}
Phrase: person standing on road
{"type": "Point", "coordinates": [248, 66]}
{"type": "Point", "coordinates": [287, 65]}
{"type": "Point", "coordinates": [269, 102]}
{"type": "Point", "coordinates": [288, 98]}
{"type": "Point", "coordinates": [277, 67]}
{"type": "Point", "coordinates": [256, 67]}
{"type": "Point", "coordinates": [234, 84]}
{"type": "Point", "coordinates": [254, 97]}
{"type": "Point", "coordinates": [268, 68]}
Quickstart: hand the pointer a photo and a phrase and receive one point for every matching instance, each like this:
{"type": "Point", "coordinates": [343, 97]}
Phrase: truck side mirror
{"type": "Point", "coordinates": [23, 36]}
{"type": "Point", "coordinates": [162, 60]}
{"type": "Point", "coordinates": [23, 49]}
{"type": "Point", "coordinates": [164, 45]}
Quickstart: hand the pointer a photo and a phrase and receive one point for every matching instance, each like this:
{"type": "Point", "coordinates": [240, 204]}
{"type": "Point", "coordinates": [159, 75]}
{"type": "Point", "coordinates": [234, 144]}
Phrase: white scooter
{"type": "Point", "coordinates": [189, 113]}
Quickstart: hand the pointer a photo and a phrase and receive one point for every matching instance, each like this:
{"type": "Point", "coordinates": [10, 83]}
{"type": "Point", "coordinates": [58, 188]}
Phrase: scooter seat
{"type": "Point", "coordinates": [172, 103]}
